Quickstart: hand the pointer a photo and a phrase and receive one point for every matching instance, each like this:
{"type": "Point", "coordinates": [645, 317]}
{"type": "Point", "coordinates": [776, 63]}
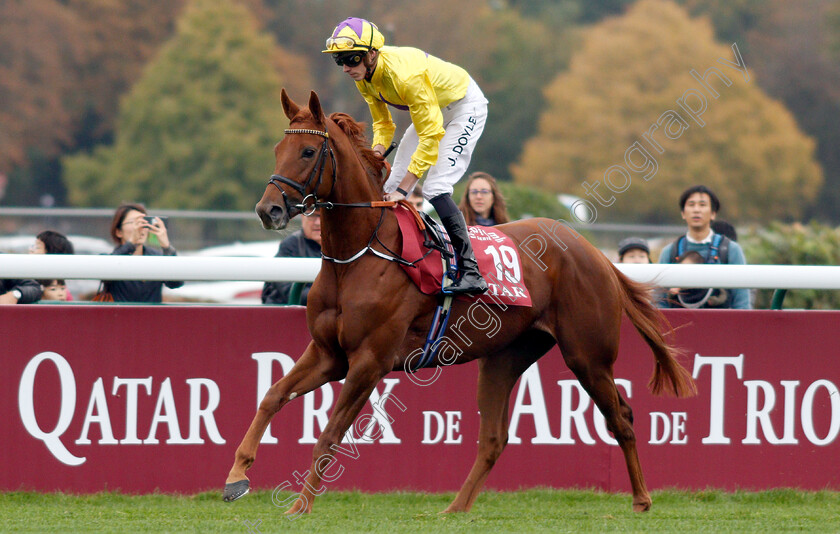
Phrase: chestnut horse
{"type": "Point", "coordinates": [366, 316]}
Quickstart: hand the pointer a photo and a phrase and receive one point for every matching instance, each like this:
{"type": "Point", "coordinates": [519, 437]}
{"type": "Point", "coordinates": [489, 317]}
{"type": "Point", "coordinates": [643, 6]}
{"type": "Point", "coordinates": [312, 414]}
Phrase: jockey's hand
{"type": "Point", "coordinates": [407, 184]}
{"type": "Point", "coordinates": [380, 151]}
{"type": "Point", "coordinates": [395, 196]}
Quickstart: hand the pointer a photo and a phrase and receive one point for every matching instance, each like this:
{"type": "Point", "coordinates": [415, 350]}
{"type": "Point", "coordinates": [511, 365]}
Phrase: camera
{"type": "Point", "coordinates": [151, 218]}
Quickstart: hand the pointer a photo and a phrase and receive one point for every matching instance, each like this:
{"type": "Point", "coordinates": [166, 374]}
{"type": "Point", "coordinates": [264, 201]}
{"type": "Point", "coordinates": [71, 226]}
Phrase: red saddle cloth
{"type": "Point", "coordinates": [497, 255]}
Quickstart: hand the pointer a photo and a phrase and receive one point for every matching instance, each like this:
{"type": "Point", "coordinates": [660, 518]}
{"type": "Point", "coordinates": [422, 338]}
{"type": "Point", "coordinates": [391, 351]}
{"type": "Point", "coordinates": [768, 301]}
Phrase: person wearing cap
{"type": "Point", "coordinates": [448, 112]}
{"type": "Point", "coordinates": [633, 250]}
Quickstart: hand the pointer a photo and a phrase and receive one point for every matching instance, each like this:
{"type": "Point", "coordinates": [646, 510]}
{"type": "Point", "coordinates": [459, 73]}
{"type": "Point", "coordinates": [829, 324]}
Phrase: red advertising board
{"type": "Point", "coordinates": [146, 398]}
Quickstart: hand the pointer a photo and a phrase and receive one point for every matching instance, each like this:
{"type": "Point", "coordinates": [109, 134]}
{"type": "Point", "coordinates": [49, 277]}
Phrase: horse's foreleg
{"type": "Point", "coordinates": [496, 379]}
{"type": "Point", "coordinates": [314, 368]}
{"type": "Point", "coordinates": [364, 373]}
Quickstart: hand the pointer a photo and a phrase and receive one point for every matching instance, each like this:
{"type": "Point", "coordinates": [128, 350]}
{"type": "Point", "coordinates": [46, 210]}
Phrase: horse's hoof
{"type": "Point", "coordinates": [451, 509]}
{"type": "Point", "coordinates": [235, 490]}
{"type": "Point", "coordinates": [641, 506]}
{"type": "Point", "coordinates": [299, 508]}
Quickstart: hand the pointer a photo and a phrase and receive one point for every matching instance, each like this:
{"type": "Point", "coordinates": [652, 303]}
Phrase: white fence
{"type": "Point", "coordinates": [187, 268]}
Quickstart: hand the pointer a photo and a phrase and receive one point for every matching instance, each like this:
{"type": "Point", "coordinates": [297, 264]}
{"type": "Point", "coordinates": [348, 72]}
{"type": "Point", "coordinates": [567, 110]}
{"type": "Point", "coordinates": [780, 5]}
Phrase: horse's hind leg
{"type": "Point", "coordinates": [591, 360]}
{"type": "Point", "coordinates": [497, 375]}
{"type": "Point", "coordinates": [314, 368]}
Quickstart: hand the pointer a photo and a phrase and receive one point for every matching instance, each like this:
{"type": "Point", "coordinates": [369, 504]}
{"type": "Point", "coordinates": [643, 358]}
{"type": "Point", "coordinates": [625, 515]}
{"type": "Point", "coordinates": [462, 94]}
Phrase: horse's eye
{"type": "Point", "coordinates": [308, 152]}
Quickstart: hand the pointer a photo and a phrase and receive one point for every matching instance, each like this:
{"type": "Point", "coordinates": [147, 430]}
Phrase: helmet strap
{"type": "Point", "coordinates": [370, 65]}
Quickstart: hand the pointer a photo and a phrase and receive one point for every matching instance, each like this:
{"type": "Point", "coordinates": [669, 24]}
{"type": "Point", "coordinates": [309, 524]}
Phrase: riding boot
{"type": "Point", "coordinates": [470, 282]}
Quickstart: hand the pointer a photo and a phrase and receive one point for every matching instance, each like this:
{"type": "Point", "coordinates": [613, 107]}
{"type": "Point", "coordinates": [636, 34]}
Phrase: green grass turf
{"type": "Point", "coordinates": [522, 511]}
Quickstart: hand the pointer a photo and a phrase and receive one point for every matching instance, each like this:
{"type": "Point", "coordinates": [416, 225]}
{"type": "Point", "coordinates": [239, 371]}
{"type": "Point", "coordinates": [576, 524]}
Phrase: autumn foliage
{"type": "Point", "coordinates": [197, 130]}
{"type": "Point", "coordinates": [97, 91]}
{"type": "Point", "coordinates": [652, 104]}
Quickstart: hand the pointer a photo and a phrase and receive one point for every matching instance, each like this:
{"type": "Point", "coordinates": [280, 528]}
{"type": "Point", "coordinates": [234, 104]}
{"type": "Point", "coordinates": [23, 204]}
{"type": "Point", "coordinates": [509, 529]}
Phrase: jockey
{"type": "Point", "coordinates": [448, 112]}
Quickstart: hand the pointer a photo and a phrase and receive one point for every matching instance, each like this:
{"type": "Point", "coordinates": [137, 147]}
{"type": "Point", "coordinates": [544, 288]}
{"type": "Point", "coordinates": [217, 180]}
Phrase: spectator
{"type": "Point", "coordinates": [305, 243]}
{"type": "Point", "coordinates": [633, 250]}
{"type": "Point", "coordinates": [696, 298]}
{"type": "Point", "coordinates": [483, 204]}
{"type": "Point", "coordinates": [19, 291]}
{"type": "Point", "coordinates": [51, 242]}
{"type": "Point", "coordinates": [724, 228]}
{"type": "Point", "coordinates": [53, 290]}
{"type": "Point", "coordinates": [416, 200]}
{"type": "Point", "coordinates": [692, 257]}
{"type": "Point", "coordinates": [130, 229]}
{"type": "Point", "coordinates": [699, 207]}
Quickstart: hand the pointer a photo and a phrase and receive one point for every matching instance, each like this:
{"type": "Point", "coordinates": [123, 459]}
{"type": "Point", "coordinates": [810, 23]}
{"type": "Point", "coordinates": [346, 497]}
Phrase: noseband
{"type": "Point", "coordinates": [317, 170]}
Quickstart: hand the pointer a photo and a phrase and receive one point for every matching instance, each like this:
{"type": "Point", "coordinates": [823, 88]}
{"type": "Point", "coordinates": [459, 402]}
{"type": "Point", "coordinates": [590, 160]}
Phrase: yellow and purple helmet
{"type": "Point", "coordinates": [354, 34]}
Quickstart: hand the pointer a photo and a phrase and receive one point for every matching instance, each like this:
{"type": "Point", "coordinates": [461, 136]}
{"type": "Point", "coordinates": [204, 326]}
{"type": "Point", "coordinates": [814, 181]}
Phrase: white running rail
{"type": "Point", "coordinates": [190, 268]}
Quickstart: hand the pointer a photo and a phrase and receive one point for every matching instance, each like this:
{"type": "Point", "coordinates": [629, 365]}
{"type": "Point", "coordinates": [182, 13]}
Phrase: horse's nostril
{"type": "Point", "coordinates": [276, 212]}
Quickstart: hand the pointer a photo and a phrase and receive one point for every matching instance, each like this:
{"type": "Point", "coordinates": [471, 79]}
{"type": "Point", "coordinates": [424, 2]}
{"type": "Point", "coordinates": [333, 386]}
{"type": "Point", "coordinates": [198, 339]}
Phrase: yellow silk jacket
{"type": "Point", "coordinates": [410, 79]}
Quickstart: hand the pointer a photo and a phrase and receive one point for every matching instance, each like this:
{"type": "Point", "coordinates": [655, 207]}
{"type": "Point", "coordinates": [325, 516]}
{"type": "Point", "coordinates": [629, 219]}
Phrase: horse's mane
{"type": "Point", "coordinates": [356, 132]}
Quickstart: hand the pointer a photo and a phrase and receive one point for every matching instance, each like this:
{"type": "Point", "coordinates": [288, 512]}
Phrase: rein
{"type": "Point", "coordinates": [307, 210]}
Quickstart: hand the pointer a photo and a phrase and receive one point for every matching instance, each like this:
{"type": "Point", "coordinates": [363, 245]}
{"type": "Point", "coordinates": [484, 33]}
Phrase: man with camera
{"type": "Point", "coordinates": [699, 206]}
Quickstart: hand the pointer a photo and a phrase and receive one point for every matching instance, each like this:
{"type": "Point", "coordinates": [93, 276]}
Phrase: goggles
{"type": "Point", "coordinates": [337, 44]}
{"type": "Point", "coordinates": [351, 59]}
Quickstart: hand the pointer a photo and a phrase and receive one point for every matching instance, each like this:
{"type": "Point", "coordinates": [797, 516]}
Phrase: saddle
{"type": "Point", "coordinates": [429, 253]}
{"type": "Point", "coordinates": [435, 267]}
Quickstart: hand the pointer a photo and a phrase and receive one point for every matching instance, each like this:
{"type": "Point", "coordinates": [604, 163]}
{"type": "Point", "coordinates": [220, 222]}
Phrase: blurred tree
{"type": "Point", "coordinates": [121, 36]}
{"type": "Point", "coordinates": [63, 66]}
{"type": "Point", "coordinates": [512, 74]}
{"type": "Point", "coordinates": [197, 130]}
{"type": "Point", "coordinates": [832, 24]}
{"type": "Point", "coordinates": [40, 52]}
{"type": "Point", "coordinates": [732, 19]}
{"type": "Point", "coordinates": [38, 182]}
{"type": "Point", "coordinates": [630, 73]}
{"type": "Point", "coordinates": [794, 63]}
{"type": "Point", "coordinates": [566, 11]}
{"type": "Point", "coordinates": [792, 47]}
{"type": "Point", "coordinates": [796, 244]}
{"type": "Point", "coordinates": [503, 51]}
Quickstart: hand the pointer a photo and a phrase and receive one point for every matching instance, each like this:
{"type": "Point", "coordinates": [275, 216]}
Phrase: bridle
{"type": "Point", "coordinates": [318, 170]}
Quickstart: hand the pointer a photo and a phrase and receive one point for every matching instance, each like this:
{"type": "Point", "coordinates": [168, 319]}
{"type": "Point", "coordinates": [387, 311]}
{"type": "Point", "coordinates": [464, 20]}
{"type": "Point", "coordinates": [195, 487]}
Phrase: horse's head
{"type": "Point", "coordinates": [304, 165]}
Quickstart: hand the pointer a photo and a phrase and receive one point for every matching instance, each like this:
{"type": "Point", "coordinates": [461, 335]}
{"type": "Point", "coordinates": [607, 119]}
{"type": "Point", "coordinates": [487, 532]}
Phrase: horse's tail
{"type": "Point", "coordinates": [669, 376]}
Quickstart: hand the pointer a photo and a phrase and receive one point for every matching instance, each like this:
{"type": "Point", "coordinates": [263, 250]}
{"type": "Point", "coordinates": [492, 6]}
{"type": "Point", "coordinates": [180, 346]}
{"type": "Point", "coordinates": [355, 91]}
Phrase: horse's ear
{"type": "Point", "coordinates": [315, 108]}
{"type": "Point", "coordinates": [289, 108]}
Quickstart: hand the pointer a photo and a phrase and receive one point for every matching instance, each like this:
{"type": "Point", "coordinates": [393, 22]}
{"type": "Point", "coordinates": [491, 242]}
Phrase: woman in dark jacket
{"type": "Point", "coordinates": [130, 229]}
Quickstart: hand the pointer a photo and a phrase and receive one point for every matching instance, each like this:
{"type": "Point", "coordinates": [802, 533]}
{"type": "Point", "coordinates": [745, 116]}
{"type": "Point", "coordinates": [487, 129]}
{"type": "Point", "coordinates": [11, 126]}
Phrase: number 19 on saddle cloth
{"type": "Point", "coordinates": [497, 256]}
